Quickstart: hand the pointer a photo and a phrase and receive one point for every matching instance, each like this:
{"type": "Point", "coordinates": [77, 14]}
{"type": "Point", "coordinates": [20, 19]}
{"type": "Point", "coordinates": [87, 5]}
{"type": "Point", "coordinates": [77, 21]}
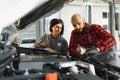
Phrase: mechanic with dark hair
{"type": "Point", "coordinates": [54, 40]}
{"type": "Point", "coordinates": [92, 37]}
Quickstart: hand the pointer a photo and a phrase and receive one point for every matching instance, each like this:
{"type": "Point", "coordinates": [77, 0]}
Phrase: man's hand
{"type": "Point", "coordinates": [90, 52]}
{"type": "Point", "coordinates": [98, 49]}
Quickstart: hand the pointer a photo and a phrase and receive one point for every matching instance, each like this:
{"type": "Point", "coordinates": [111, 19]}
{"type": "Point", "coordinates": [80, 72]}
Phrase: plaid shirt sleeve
{"type": "Point", "coordinates": [107, 39]}
{"type": "Point", "coordinates": [73, 45]}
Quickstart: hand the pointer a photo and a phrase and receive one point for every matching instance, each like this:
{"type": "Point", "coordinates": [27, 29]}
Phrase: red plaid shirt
{"type": "Point", "coordinates": [92, 33]}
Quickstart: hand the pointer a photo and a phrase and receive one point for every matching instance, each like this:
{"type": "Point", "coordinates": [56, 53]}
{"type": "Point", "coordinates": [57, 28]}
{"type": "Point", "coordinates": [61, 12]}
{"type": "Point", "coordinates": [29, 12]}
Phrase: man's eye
{"type": "Point", "coordinates": [79, 23]}
{"type": "Point", "coordinates": [74, 25]}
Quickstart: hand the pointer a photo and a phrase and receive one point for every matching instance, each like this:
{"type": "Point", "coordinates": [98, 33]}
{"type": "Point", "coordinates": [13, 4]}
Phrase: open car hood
{"type": "Point", "coordinates": [44, 10]}
{"type": "Point", "coordinates": [27, 11]}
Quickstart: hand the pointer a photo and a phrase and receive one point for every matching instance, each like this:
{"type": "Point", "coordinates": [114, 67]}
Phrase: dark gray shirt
{"type": "Point", "coordinates": [58, 44]}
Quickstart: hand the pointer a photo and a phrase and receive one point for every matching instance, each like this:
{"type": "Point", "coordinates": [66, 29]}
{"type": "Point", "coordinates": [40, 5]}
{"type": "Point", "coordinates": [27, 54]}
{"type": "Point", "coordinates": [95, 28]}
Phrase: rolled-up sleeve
{"type": "Point", "coordinates": [107, 39]}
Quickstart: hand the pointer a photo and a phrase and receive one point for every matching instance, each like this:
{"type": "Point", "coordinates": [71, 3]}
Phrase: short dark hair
{"type": "Point", "coordinates": [54, 22]}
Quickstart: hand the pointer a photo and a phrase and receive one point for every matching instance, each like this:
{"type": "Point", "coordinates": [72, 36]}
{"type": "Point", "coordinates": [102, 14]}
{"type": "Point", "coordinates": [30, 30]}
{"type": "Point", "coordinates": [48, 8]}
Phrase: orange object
{"type": "Point", "coordinates": [51, 76]}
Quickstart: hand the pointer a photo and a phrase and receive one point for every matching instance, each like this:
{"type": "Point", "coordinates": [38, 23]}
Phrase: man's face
{"type": "Point", "coordinates": [78, 23]}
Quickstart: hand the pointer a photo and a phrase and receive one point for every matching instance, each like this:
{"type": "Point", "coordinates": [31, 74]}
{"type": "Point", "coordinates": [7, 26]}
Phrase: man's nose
{"type": "Point", "coordinates": [77, 26]}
